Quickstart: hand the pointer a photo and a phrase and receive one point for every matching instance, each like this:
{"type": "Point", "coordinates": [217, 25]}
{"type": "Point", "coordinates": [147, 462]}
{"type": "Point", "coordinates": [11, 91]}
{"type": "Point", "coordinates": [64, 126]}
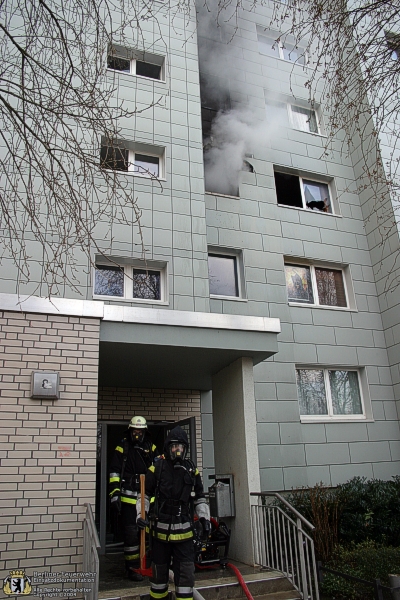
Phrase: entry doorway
{"type": "Point", "coordinates": [109, 434]}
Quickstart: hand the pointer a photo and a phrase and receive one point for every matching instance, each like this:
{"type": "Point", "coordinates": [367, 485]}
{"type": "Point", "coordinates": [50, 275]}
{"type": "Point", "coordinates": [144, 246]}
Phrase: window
{"type": "Point", "coordinates": [299, 192]}
{"type": "Point", "coordinates": [223, 275]}
{"type": "Point", "coordinates": [297, 117]}
{"type": "Point", "coordinates": [329, 393]}
{"type": "Point", "coordinates": [303, 119]}
{"type": "Point", "coordinates": [137, 63]}
{"type": "Point", "coordinates": [317, 286]}
{"type": "Point", "coordinates": [271, 45]}
{"type": "Point", "coordinates": [118, 158]}
{"type": "Point", "coordinates": [393, 43]}
{"type": "Point", "coordinates": [129, 282]}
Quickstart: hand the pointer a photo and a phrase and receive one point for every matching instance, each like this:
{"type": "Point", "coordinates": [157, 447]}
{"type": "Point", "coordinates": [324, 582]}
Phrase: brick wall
{"type": "Point", "coordinates": [154, 404]}
{"type": "Point", "coordinates": [48, 447]}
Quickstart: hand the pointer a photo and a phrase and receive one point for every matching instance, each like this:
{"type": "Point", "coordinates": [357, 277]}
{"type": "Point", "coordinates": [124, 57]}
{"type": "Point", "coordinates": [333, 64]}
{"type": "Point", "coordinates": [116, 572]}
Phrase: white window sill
{"type": "Point", "coordinates": [222, 195]}
{"type": "Point", "coordinates": [308, 210]}
{"type": "Point", "coordinates": [134, 75]}
{"type": "Point", "coordinates": [335, 419]}
{"type": "Point", "coordinates": [235, 298]}
{"type": "Point", "coordinates": [320, 135]}
{"type": "Point", "coordinates": [288, 62]}
{"type": "Point", "coordinates": [130, 300]}
{"type": "Point", "coordinates": [323, 306]}
{"type": "Point", "coordinates": [133, 174]}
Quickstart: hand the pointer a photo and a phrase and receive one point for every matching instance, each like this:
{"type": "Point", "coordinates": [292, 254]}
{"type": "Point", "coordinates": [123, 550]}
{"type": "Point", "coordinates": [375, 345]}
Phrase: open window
{"type": "Point", "coordinates": [135, 281]}
{"type": "Point", "coordinates": [303, 192]}
{"type": "Point", "coordinates": [134, 62]}
{"type": "Point", "coordinates": [131, 157]}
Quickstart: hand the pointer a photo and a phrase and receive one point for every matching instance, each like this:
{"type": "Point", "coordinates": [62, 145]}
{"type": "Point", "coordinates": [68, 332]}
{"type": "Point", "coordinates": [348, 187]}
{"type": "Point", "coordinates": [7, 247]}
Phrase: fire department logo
{"type": "Point", "coordinates": [17, 583]}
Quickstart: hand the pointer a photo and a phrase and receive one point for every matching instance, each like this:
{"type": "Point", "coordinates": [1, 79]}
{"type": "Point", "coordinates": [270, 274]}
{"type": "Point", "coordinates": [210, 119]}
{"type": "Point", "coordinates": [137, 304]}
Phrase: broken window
{"type": "Point", "coordinates": [221, 174]}
{"type": "Point", "coordinates": [296, 191]}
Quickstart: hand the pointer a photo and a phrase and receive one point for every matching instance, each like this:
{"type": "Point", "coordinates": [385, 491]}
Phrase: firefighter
{"type": "Point", "coordinates": [176, 485]}
{"type": "Point", "coordinates": [133, 456]}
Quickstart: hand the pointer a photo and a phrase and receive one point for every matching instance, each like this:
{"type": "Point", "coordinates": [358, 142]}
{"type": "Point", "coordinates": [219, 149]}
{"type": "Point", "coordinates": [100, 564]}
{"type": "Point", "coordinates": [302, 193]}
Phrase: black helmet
{"type": "Point", "coordinates": [176, 445]}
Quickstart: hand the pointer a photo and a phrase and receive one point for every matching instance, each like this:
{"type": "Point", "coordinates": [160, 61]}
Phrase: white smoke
{"type": "Point", "coordinates": [233, 135]}
{"type": "Point", "coordinates": [235, 131]}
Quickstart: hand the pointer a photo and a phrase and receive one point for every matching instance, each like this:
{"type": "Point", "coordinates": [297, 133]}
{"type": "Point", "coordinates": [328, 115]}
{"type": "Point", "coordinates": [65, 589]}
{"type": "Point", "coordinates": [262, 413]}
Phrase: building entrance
{"type": "Point", "coordinates": [109, 434]}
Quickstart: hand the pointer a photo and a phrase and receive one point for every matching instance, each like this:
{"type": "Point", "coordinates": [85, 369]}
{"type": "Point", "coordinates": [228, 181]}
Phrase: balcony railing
{"type": "Point", "coordinates": [282, 542]}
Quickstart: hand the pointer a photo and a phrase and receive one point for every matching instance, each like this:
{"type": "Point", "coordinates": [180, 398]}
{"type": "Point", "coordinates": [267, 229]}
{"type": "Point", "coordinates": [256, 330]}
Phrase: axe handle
{"type": "Point", "coordinates": [142, 532]}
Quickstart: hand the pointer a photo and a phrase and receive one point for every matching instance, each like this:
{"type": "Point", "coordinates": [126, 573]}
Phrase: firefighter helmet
{"type": "Point", "coordinates": [137, 423]}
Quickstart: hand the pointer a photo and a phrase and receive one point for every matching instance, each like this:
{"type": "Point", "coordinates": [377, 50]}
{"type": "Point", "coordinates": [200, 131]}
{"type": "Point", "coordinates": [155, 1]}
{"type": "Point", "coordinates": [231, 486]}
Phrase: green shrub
{"type": "Point", "coordinates": [371, 511]}
{"type": "Point", "coordinates": [355, 511]}
{"type": "Point", "coordinates": [366, 560]}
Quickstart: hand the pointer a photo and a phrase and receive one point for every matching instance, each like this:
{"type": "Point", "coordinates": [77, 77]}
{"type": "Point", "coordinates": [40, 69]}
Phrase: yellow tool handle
{"type": "Point", "coordinates": [143, 515]}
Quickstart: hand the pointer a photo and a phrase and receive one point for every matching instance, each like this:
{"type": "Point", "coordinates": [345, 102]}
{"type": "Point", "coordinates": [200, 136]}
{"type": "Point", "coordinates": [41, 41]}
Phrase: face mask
{"type": "Point", "coordinates": [137, 436]}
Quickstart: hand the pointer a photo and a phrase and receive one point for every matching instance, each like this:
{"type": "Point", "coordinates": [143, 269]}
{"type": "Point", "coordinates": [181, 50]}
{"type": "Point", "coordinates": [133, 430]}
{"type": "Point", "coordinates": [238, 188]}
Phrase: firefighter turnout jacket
{"type": "Point", "coordinates": [175, 489]}
{"type": "Point", "coordinates": [129, 461]}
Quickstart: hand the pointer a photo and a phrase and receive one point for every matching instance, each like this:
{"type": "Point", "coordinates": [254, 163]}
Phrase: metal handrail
{"type": "Point", "coordinates": [282, 543]}
{"type": "Point", "coordinates": [287, 504]}
{"type": "Point", "coordinates": [91, 547]}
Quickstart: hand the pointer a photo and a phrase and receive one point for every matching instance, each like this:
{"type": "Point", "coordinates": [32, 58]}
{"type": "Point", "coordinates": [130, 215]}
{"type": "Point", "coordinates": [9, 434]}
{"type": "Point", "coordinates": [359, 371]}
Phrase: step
{"type": "Point", "coordinates": [268, 585]}
{"type": "Point", "coordinates": [259, 584]}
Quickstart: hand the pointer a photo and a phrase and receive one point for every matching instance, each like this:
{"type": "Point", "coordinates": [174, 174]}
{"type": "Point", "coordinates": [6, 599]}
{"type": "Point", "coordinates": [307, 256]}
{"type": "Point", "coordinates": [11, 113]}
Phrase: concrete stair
{"type": "Point", "coordinates": [222, 585]}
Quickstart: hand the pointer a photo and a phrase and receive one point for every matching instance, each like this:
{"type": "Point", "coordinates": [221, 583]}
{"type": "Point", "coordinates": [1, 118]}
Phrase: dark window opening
{"type": "Point", "coordinates": [118, 64]}
{"type": "Point", "coordinates": [288, 190]}
{"type": "Point", "coordinates": [114, 158]}
{"type": "Point", "coordinates": [145, 69]}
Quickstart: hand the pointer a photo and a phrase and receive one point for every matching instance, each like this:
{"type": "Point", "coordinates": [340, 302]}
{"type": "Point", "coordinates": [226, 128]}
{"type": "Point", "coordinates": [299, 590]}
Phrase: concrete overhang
{"type": "Point", "coordinates": [159, 348]}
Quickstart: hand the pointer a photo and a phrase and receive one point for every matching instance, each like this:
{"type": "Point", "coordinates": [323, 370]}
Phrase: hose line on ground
{"type": "Point", "coordinates": [241, 581]}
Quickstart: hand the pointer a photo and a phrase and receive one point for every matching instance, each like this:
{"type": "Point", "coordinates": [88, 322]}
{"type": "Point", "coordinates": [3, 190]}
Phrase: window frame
{"type": "Point", "coordinates": [393, 44]}
{"type": "Point", "coordinates": [239, 272]}
{"type": "Point", "coordinates": [313, 179]}
{"type": "Point", "coordinates": [288, 106]}
{"type": "Point", "coordinates": [348, 292]}
{"type": "Point", "coordinates": [281, 46]}
{"type": "Point", "coordinates": [123, 54]}
{"type": "Point", "coordinates": [131, 162]}
{"type": "Point", "coordinates": [365, 415]}
{"type": "Point", "coordinates": [128, 269]}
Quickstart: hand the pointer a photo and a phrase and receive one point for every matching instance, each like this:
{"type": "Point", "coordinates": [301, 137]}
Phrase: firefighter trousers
{"type": "Point", "coordinates": [131, 535]}
{"type": "Point", "coordinates": [182, 554]}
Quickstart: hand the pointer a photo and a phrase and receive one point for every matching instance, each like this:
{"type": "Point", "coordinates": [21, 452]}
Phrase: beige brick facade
{"type": "Point", "coordinates": [154, 404]}
{"type": "Point", "coordinates": [47, 447]}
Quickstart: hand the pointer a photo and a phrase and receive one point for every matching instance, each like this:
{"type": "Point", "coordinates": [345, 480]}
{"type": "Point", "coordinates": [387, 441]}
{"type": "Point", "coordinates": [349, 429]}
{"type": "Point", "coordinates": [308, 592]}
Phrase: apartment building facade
{"type": "Point", "coordinates": [254, 317]}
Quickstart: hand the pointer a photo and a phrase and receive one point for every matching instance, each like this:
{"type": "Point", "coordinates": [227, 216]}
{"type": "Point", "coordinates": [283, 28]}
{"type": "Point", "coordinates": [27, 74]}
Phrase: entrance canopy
{"type": "Point", "coordinates": [158, 348]}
